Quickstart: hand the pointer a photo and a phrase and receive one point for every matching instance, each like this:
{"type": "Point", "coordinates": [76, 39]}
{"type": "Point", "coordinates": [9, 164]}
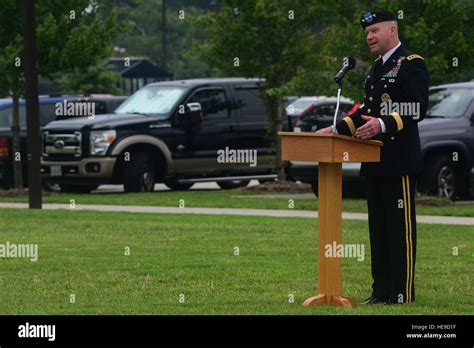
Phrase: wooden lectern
{"type": "Point", "coordinates": [330, 150]}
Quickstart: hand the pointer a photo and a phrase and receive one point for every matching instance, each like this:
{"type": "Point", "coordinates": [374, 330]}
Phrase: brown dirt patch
{"type": "Point", "coordinates": [279, 186]}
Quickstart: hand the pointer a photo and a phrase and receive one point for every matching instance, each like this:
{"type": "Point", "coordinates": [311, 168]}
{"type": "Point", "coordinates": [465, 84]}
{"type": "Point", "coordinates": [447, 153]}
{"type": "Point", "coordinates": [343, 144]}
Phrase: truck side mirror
{"type": "Point", "coordinates": [194, 113]}
{"type": "Point", "coordinates": [193, 107]}
{"type": "Point", "coordinates": [190, 114]}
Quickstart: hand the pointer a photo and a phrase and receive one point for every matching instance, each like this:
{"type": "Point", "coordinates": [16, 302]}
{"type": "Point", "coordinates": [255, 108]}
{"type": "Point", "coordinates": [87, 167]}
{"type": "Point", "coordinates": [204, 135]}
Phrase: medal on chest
{"type": "Point", "coordinates": [394, 71]}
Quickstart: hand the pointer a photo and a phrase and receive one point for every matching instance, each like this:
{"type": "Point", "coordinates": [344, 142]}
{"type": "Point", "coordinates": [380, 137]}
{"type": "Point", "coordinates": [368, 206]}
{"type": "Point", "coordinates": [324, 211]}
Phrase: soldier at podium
{"type": "Point", "coordinates": [396, 99]}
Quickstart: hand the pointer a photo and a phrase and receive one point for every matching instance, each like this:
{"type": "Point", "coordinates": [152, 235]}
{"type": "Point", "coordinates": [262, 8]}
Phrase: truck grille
{"type": "Point", "coordinates": [62, 145]}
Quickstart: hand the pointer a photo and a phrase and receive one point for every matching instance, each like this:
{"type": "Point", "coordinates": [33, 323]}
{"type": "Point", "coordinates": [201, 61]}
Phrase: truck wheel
{"type": "Point", "coordinates": [232, 184]}
{"type": "Point", "coordinates": [139, 174]}
{"type": "Point", "coordinates": [442, 177]}
{"type": "Point", "coordinates": [78, 188]}
{"type": "Point", "coordinates": [176, 186]}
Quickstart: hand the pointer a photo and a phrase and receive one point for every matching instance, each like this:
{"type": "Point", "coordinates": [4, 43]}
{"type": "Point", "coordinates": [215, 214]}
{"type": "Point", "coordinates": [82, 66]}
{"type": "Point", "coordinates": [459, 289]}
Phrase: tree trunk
{"type": "Point", "coordinates": [164, 60]}
{"type": "Point", "coordinates": [16, 146]}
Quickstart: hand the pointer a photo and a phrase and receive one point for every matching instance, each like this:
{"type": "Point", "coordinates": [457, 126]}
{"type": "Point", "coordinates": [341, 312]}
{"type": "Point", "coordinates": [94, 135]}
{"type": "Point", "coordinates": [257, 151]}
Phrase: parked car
{"type": "Point", "coordinates": [174, 132]}
{"type": "Point", "coordinates": [447, 142]}
{"type": "Point", "coordinates": [289, 99]}
{"type": "Point", "coordinates": [299, 105]}
{"type": "Point", "coordinates": [318, 112]}
{"type": "Point", "coordinates": [48, 106]}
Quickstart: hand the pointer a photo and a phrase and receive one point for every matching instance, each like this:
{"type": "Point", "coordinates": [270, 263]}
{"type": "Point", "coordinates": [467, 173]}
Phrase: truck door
{"type": "Point", "coordinates": [253, 126]}
{"type": "Point", "coordinates": [214, 132]}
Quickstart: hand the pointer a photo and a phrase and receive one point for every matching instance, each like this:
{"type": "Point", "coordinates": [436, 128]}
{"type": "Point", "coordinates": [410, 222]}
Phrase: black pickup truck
{"type": "Point", "coordinates": [174, 132]}
{"type": "Point", "coordinates": [48, 107]}
{"type": "Point", "coordinates": [447, 142]}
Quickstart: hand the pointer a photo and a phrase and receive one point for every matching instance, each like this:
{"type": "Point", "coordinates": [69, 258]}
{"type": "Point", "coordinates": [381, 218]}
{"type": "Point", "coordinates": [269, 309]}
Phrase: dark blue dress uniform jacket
{"type": "Point", "coordinates": [403, 78]}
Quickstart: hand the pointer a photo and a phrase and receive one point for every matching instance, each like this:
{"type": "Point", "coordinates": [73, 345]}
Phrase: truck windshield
{"type": "Point", "coordinates": [449, 103]}
{"type": "Point", "coordinates": [151, 100]}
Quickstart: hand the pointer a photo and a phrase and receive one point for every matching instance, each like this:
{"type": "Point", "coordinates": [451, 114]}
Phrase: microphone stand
{"type": "Point", "coordinates": [339, 90]}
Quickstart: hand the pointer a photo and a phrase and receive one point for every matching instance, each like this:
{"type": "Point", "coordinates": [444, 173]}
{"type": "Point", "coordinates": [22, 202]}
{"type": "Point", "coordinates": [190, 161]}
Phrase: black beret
{"type": "Point", "coordinates": [374, 17]}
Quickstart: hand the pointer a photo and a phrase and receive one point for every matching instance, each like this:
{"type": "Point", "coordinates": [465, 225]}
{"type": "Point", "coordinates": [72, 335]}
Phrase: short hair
{"type": "Point", "coordinates": [394, 23]}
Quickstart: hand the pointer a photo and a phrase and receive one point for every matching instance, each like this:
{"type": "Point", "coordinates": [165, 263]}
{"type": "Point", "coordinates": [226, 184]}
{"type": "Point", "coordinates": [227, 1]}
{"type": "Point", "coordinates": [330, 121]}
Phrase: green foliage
{"type": "Point", "coordinates": [437, 30]}
{"type": "Point", "coordinates": [305, 54]}
{"type": "Point", "coordinates": [440, 30]}
{"type": "Point", "coordinates": [93, 79]}
{"type": "Point", "coordinates": [146, 37]}
{"type": "Point", "coordinates": [70, 35]}
{"type": "Point", "coordinates": [262, 36]}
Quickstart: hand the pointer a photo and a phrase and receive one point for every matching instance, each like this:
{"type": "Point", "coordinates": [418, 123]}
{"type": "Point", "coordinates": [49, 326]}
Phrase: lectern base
{"type": "Point", "coordinates": [331, 300]}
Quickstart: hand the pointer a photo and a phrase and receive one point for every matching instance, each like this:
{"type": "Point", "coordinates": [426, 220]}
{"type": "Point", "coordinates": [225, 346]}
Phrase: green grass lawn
{"type": "Point", "coordinates": [227, 199]}
{"type": "Point", "coordinates": [83, 253]}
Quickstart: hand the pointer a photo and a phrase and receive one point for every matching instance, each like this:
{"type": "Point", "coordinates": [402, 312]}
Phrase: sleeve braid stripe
{"type": "Point", "coordinates": [398, 119]}
{"type": "Point", "coordinates": [350, 124]}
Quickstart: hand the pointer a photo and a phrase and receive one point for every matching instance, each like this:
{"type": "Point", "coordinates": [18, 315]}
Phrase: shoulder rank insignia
{"type": "Point", "coordinates": [414, 56]}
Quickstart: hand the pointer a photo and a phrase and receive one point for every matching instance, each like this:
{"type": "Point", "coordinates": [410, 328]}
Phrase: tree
{"type": "Point", "coordinates": [146, 38]}
{"type": "Point", "coordinates": [71, 34]}
{"type": "Point", "coordinates": [440, 31]}
{"type": "Point", "coordinates": [264, 39]}
{"type": "Point", "coordinates": [93, 79]}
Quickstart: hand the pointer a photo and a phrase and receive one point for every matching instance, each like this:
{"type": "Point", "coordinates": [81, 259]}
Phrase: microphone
{"type": "Point", "coordinates": [349, 63]}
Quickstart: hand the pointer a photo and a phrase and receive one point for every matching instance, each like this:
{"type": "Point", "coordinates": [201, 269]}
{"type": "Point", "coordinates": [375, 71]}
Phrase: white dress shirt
{"type": "Point", "coordinates": [389, 53]}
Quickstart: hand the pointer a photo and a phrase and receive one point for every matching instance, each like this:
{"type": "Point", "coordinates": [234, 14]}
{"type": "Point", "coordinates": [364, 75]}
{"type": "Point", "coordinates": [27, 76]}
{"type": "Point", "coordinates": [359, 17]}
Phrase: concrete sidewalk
{"type": "Point", "coordinates": [429, 219]}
